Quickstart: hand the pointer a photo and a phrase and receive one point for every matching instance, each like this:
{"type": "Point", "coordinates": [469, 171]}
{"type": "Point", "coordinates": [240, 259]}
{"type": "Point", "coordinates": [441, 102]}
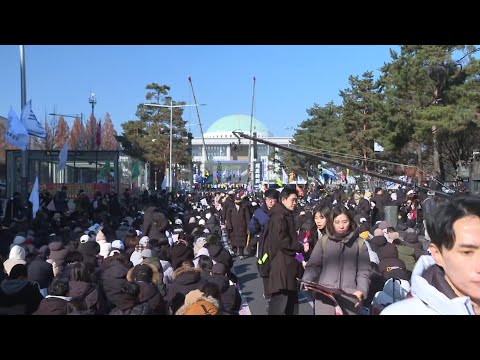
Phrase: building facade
{"type": "Point", "coordinates": [226, 158]}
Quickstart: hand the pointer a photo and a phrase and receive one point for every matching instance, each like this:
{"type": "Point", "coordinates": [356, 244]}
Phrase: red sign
{"type": "Point", "coordinates": [72, 189]}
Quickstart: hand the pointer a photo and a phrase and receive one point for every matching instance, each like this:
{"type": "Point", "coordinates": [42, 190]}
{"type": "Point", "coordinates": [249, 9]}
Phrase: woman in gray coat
{"type": "Point", "coordinates": [340, 261]}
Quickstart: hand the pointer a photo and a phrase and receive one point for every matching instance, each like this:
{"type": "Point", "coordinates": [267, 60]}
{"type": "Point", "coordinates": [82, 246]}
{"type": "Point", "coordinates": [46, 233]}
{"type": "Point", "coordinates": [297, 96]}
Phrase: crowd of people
{"type": "Point", "coordinates": [173, 253]}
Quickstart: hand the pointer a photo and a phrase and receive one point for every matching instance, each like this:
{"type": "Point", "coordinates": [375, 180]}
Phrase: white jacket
{"type": "Point", "coordinates": [427, 300]}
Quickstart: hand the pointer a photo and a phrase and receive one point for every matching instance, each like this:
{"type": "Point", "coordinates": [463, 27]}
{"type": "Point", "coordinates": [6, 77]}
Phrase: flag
{"type": "Point", "coordinates": [301, 180]}
{"type": "Point", "coordinates": [98, 138]}
{"type": "Point", "coordinates": [35, 198]}
{"type": "Point", "coordinates": [16, 134]}
{"type": "Point", "coordinates": [377, 147]}
{"type": "Point", "coordinates": [164, 183]}
{"type": "Point", "coordinates": [136, 170]}
{"type": "Point", "coordinates": [284, 176]}
{"type": "Point", "coordinates": [279, 181]}
{"type": "Point", "coordinates": [31, 122]}
{"type": "Point", "coordinates": [63, 156]}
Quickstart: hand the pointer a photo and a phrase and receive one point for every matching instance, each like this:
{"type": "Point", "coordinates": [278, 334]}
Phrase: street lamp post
{"type": "Point", "coordinates": [92, 100]}
{"type": "Point", "coordinates": [171, 106]}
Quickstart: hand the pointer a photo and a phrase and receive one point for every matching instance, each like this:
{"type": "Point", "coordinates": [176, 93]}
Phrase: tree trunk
{"type": "Point", "coordinates": [436, 156]}
{"type": "Point", "coordinates": [420, 163]}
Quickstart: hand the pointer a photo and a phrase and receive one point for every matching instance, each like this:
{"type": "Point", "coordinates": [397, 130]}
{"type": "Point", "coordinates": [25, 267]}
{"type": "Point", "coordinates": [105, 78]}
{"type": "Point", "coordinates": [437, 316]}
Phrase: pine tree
{"type": "Point", "coordinates": [149, 137]}
{"type": "Point", "coordinates": [77, 136]}
{"type": "Point", "coordinates": [109, 141]}
{"type": "Point", "coordinates": [90, 133]}
{"type": "Point", "coordinates": [322, 133]}
{"type": "Point", "coordinates": [362, 112]}
{"type": "Point", "coordinates": [430, 97]}
{"type": "Point", "coordinates": [62, 133]}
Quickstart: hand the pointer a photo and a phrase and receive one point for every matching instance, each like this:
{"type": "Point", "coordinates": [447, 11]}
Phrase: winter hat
{"type": "Point", "coordinates": [118, 244]}
{"type": "Point", "coordinates": [378, 232]}
{"type": "Point", "coordinates": [410, 230]}
{"type": "Point", "coordinates": [193, 296]}
{"type": "Point", "coordinates": [138, 232]}
{"type": "Point", "coordinates": [144, 241]}
{"type": "Point", "coordinates": [178, 222]}
{"type": "Point", "coordinates": [208, 215]}
{"type": "Point", "coordinates": [411, 237]}
{"type": "Point", "coordinates": [146, 253]}
{"type": "Point", "coordinates": [57, 216]}
{"type": "Point", "coordinates": [19, 240]}
{"type": "Point", "coordinates": [101, 236]}
{"type": "Point", "coordinates": [192, 220]}
{"type": "Point", "coordinates": [206, 231]}
{"type": "Point", "coordinates": [378, 241]}
{"type": "Point", "coordinates": [201, 222]}
{"type": "Point", "coordinates": [84, 239]}
{"type": "Point", "coordinates": [382, 225]}
{"type": "Point", "coordinates": [388, 251]}
{"type": "Point", "coordinates": [199, 245]}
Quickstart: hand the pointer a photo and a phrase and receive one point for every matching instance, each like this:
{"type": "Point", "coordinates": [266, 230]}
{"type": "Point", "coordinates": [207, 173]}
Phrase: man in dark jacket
{"type": "Point", "coordinates": [283, 246]}
{"type": "Point", "coordinates": [18, 296]}
{"type": "Point", "coordinates": [260, 218]}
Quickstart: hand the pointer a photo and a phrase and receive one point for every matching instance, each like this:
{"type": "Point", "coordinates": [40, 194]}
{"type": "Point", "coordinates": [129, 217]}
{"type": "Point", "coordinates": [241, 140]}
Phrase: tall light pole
{"type": "Point", "coordinates": [171, 106]}
{"type": "Point", "coordinates": [92, 100]}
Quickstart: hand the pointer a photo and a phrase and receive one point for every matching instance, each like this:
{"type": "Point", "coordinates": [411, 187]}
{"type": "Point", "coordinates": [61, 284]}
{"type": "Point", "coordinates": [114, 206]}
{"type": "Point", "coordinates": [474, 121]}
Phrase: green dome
{"type": "Point", "coordinates": [225, 125]}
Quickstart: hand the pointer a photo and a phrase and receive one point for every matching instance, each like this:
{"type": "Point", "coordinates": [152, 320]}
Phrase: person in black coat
{"type": "Point", "coordinates": [18, 296]}
{"type": "Point", "coordinates": [283, 246]}
{"type": "Point", "coordinates": [230, 297]}
{"type": "Point", "coordinates": [56, 302]}
{"type": "Point", "coordinates": [185, 279]}
{"type": "Point", "coordinates": [40, 270]}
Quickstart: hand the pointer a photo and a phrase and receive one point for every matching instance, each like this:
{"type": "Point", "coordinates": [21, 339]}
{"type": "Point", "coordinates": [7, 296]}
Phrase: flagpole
{"type": "Point", "coordinates": [250, 161]}
{"type": "Point", "coordinates": [23, 81]}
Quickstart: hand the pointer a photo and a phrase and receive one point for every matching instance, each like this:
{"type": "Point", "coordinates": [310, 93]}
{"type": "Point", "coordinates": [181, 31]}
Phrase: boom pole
{"type": "Point", "coordinates": [240, 134]}
{"type": "Point", "coordinates": [200, 123]}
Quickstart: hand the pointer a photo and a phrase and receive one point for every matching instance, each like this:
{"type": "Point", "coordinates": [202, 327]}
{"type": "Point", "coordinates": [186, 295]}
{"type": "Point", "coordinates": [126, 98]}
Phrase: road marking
{"type": "Point", "coordinates": [244, 308]}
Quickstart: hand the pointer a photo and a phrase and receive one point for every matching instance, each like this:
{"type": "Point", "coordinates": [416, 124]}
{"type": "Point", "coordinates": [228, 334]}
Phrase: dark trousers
{"type": "Point", "coordinates": [283, 303]}
{"type": "Point", "coordinates": [239, 250]}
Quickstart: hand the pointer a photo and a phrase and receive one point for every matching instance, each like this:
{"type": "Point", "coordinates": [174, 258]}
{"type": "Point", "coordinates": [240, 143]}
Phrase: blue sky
{"type": "Point", "coordinates": [289, 79]}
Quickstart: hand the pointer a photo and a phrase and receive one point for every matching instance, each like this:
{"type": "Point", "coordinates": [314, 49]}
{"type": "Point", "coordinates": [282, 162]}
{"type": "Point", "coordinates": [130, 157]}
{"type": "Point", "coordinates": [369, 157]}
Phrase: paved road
{"type": "Point", "coordinates": [251, 288]}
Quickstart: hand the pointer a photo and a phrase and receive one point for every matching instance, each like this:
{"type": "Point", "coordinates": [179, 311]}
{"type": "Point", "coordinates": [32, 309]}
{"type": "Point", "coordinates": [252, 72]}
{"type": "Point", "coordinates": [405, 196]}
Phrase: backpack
{"type": "Point", "coordinates": [264, 254]}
